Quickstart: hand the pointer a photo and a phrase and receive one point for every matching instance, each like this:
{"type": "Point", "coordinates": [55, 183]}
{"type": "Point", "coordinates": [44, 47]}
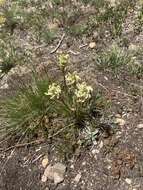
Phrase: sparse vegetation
{"type": "Point", "coordinates": [71, 100]}
{"type": "Point", "coordinates": [26, 111]}
{"type": "Point", "coordinates": [71, 72]}
{"type": "Point", "coordinates": [118, 60]}
{"type": "Point", "coordinates": [114, 58]}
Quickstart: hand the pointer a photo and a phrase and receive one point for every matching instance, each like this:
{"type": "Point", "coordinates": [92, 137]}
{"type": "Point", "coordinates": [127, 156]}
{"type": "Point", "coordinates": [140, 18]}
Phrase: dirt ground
{"type": "Point", "coordinates": [114, 162]}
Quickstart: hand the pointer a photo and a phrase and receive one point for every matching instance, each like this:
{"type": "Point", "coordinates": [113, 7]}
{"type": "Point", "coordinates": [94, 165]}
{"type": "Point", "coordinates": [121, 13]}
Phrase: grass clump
{"type": "Point", "coordinates": [26, 110]}
{"type": "Point", "coordinates": [12, 53]}
{"type": "Point", "coordinates": [19, 15]}
{"type": "Point", "coordinates": [75, 102]}
{"type": "Point", "coordinates": [119, 60]}
{"type": "Point", "coordinates": [73, 99]}
{"type": "Point", "coordinates": [139, 24]}
{"type": "Point", "coordinates": [68, 104]}
{"type": "Point", "coordinates": [113, 59]}
{"type": "Point", "coordinates": [109, 16]}
{"type": "Point", "coordinates": [136, 67]}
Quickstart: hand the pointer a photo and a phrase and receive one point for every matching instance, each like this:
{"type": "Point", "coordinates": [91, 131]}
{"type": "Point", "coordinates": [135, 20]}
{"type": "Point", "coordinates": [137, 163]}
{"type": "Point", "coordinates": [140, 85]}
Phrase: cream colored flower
{"type": "Point", "coordinates": [72, 78]}
{"type": "Point", "coordinates": [2, 2]}
{"type": "Point", "coordinates": [2, 19]}
{"type": "Point", "coordinates": [63, 60]}
{"type": "Point", "coordinates": [54, 91]}
{"type": "Point", "coordinates": [133, 47]}
{"type": "Point", "coordinates": [83, 92]}
{"type": "Point", "coordinates": [113, 3]}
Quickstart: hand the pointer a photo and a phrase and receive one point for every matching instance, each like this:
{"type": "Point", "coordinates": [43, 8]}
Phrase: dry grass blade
{"type": "Point", "coordinates": [58, 45]}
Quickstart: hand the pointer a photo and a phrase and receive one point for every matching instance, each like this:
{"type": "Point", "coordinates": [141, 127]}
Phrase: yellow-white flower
{"type": "Point", "coordinates": [2, 19]}
{"type": "Point", "coordinates": [83, 92]}
{"type": "Point", "coordinates": [72, 78]}
{"type": "Point", "coordinates": [2, 2]}
{"type": "Point", "coordinates": [113, 3]}
{"type": "Point", "coordinates": [63, 60]}
{"type": "Point", "coordinates": [54, 91]}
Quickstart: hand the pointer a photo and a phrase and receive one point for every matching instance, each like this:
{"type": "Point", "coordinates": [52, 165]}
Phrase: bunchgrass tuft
{"type": "Point", "coordinates": [26, 110]}
{"type": "Point", "coordinates": [113, 59]}
{"type": "Point", "coordinates": [59, 109]}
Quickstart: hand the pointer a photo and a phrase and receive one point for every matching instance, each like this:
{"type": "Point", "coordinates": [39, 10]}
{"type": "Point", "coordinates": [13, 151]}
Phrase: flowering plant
{"type": "Point", "coordinates": [63, 60]}
{"type": "Point", "coordinates": [2, 2]}
{"type": "Point", "coordinates": [54, 91]}
{"type": "Point", "coordinates": [71, 98]}
{"type": "Point", "coordinates": [2, 19]}
{"type": "Point", "coordinates": [72, 78]}
{"type": "Point", "coordinates": [83, 92]}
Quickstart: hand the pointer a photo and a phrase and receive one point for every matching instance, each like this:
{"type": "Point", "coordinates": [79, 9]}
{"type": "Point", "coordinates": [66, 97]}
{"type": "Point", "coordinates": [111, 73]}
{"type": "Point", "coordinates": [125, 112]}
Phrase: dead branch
{"type": "Point", "coordinates": [59, 44]}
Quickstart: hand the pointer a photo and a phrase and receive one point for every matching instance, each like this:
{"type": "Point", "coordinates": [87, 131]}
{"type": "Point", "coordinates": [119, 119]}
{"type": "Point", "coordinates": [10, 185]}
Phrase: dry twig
{"type": "Point", "coordinates": [59, 44]}
{"type": "Point", "coordinates": [24, 144]}
{"type": "Point", "coordinates": [35, 142]}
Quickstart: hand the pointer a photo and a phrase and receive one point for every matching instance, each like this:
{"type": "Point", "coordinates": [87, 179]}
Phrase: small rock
{"type": "Point", "coordinates": [140, 126]}
{"type": "Point", "coordinates": [120, 121]}
{"type": "Point", "coordinates": [52, 26]}
{"type": "Point", "coordinates": [92, 45]}
{"type": "Point", "coordinates": [93, 151]}
{"type": "Point", "coordinates": [48, 173]}
{"type": "Point", "coordinates": [55, 173]}
{"type": "Point", "coordinates": [38, 149]}
{"type": "Point", "coordinates": [59, 171]}
{"type": "Point", "coordinates": [5, 86]}
{"type": "Point", "coordinates": [106, 78]}
{"type": "Point", "coordinates": [83, 163]}
{"type": "Point", "coordinates": [118, 115]}
{"type": "Point", "coordinates": [97, 151]}
{"type": "Point", "coordinates": [44, 178]}
{"type": "Point", "coordinates": [109, 167]}
{"type": "Point", "coordinates": [128, 181]}
{"type": "Point", "coordinates": [47, 188]}
{"type": "Point", "coordinates": [72, 166]}
{"type": "Point", "coordinates": [101, 145]}
{"type": "Point", "coordinates": [45, 162]}
{"type": "Point", "coordinates": [77, 178]}
{"type": "Point", "coordinates": [95, 157]}
{"type": "Point", "coordinates": [58, 178]}
{"type": "Point", "coordinates": [95, 142]}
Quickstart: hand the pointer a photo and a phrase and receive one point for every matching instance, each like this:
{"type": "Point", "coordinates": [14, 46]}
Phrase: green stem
{"type": "Point", "coordinates": [64, 79]}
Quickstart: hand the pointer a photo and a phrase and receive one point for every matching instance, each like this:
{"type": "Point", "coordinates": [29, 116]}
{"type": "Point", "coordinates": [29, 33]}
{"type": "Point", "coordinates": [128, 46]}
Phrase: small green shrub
{"type": "Point", "coordinates": [119, 60]}
{"type": "Point", "coordinates": [8, 55]}
{"type": "Point", "coordinates": [77, 30]}
{"type": "Point", "coordinates": [113, 59]}
{"type": "Point", "coordinates": [69, 106]}
{"type": "Point", "coordinates": [12, 53]}
{"type": "Point", "coordinates": [19, 15]}
{"type": "Point", "coordinates": [136, 67]}
{"type": "Point", "coordinates": [73, 98]}
{"type": "Point", "coordinates": [109, 17]}
{"type": "Point", "coordinates": [140, 16]}
{"type": "Point", "coordinates": [14, 16]}
{"type": "Point", "coordinates": [139, 24]}
{"type": "Point", "coordinates": [113, 17]}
